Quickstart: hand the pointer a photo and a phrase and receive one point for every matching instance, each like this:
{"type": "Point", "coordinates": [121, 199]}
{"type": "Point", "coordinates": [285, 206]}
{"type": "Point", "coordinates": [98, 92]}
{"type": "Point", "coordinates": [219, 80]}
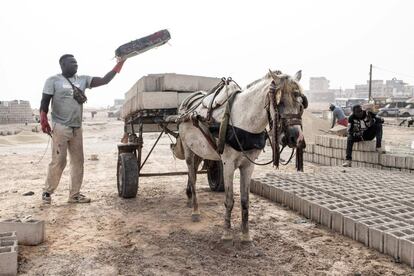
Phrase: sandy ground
{"type": "Point", "coordinates": [153, 233]}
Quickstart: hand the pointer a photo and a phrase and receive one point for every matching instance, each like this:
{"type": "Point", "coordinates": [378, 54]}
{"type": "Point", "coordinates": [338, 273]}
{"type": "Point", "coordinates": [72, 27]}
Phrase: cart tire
{"type": "Point", "coordinates": [127, 175]}
{"type": "Point", "coordinates": [215, 176]}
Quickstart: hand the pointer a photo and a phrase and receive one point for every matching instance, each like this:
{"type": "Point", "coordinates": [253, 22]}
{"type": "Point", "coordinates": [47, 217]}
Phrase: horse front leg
{"type": "Point", "coordinates": [246, 172]}
{"type": "Point", "coordinates": [228, 174]}
{"type": "Point", "coordinates": [189, 193]}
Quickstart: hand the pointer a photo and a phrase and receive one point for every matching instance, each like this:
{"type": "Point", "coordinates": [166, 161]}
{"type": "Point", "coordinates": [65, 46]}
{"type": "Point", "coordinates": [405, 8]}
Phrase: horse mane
{"type": "Point", "coordinates": [289, 85]}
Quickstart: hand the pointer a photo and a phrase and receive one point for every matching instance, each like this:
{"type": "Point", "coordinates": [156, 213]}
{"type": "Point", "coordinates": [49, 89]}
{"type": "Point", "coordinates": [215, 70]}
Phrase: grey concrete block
{"type": "Point", "coordinates": [406, 247]}
{"type": "Point", "coordinates": [388, 160]}
{"type": "Point", "coordinates": [326, 211]}
{"type": "Point", "coordinates": [30, 232]}
{"type": "Point", "coordinates": [377, 236]}
{"type": "Point", "coordinates": [8, 257]}
{"type": "Point", "coordinates": [350, 221]}
{"type": "Point", "coordinates": [400, 161]}
{"type": "Point", "coordinates": [362, 228]}
{"type": "Point", "coordinates": [409, 162]}
{"type": "Point", "coordinates": [266, 191]}
{"type": "Point", "coordinates": [178, 82]}
{"type": "Point", "coordinates": [315, 206]}
{"type": "Point", "coordinates": [391, 241]}
{"type": "Point", "coordinates": [8, 235]}
{"type": "Point", "coordinates": [318, 139]}
{"type": "Point", "coordinates": [309, 147]}
{"type": "Point", "coordinates": [365, 146]}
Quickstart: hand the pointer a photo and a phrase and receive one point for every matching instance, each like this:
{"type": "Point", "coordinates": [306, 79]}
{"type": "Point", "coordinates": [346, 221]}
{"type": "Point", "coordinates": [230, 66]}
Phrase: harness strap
{"type": "Point", "coordinates": [196, 122]}
{"type": "Point", "coordinates": [225, 123]}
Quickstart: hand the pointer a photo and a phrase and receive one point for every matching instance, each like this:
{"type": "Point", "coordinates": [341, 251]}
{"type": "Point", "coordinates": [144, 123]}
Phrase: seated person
{"type": "Point", "coordinates": [338, 116]}
{"type": "Point", "coordinates": [363, 126]}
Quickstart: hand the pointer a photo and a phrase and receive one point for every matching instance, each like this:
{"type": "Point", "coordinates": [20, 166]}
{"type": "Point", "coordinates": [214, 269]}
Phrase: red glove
{"type": "Point", "coordinates": [118, 66]}
{"type": "Point", "coordinates": [44, 123]}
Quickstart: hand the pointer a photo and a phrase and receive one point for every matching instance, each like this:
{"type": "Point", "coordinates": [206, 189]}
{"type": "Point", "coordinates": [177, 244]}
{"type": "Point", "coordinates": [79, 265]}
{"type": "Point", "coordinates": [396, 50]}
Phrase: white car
{"type": "Point", "coordinates": [407, 111]}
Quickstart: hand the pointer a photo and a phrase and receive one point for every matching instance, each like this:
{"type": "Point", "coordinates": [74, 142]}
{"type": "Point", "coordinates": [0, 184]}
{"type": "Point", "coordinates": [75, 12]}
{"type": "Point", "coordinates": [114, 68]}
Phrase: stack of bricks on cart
{"type": "Point", "coordinates": [15, 112]}
{"type": "Point", "coordinates": [329, 150]}
{"type": "Point", "coordinates": [374, 207]}
{"type": "Point", "coordinates": [14, 232]}
{"type": "Point", "coordinates": [162, 91]}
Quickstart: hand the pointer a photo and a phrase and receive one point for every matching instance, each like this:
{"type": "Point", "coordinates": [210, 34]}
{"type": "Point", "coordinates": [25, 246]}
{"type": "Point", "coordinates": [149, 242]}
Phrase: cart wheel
{"type": "Point", "coordinates": [127, 175]}
{"type": "Point", "coordinates": [215, 176]}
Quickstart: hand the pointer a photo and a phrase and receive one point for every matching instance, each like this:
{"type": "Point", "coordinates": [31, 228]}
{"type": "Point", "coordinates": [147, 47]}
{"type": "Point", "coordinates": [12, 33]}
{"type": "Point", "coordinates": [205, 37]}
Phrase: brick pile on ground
{"type": "Point", "coordinates": [14, 232]}
{"type": "Point", "coordinates": [13, 112]}
{"type": "Point", "coordinates": [329, 150]}
{"type": "Point", "coordinates": [374, 207]}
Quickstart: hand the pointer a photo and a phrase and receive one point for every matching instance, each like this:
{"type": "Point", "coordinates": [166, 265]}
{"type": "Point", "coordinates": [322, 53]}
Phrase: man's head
{"type": "Point", "coordinates": [331, 107]}
{"type": "Point", "coordinates": [357, 111]}
{"type": "Point", "coordinates": [69, 65]}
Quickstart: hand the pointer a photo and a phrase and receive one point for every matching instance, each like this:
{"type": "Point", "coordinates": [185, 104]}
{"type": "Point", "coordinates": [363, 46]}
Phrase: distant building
{"type": "Point", "coordinates": [319, 90]}
{"type": "Point", "coordinates": [391, 88]}
{"type": "Point", "coordinates": [118, 102]}
{"type": "Point", "coordinates": [15, 112]}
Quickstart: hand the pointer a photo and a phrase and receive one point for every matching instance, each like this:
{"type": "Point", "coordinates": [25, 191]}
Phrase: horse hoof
{"type": "Point", "coordinates": [246, 239]}
{"type": "Point", "coordinates": [227, 238]}
{"type": "Point", "coordinates": [195, 217]}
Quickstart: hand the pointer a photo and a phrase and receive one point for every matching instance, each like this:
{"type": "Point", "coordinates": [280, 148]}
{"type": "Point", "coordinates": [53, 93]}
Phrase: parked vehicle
{"type": "Point", "coordinates": [392, 109]}
{"type": "Point", "coordinates": [378, 102]}
{"type": "Point", "coordinates": [348, 103]}
{"type": "Point", "coordinates": [407, 111]}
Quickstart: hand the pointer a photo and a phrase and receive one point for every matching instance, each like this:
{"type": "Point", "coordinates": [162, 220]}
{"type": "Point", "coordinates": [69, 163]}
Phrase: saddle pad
{"type": "Point", "coordinates": [191, 100]}
{"type": "Point", "coordinates": [247, 139]}
{"type": "Point", "coordinates": [219, 100]}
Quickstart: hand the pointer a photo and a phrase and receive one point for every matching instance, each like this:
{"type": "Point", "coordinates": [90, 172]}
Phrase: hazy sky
{"type": "Point", "coordinates": [241, 39]}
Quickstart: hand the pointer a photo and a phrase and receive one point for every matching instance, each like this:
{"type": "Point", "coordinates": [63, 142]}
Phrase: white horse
{"type": "Point", "coordinates": [275, 97]}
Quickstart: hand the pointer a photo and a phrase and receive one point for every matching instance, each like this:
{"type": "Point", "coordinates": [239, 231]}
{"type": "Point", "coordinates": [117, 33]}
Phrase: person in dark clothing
{"type": "Point", "coordinates": [363, 126]}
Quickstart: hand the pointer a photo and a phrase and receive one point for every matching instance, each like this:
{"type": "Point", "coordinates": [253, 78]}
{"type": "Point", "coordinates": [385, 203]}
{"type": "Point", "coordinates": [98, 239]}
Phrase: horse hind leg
{"type": "Point", "coordinates": [245, 177]}
{"type": "Point", "coordinates": [193, 161]}
{"type": "Point", "coordinates": [228, 203]}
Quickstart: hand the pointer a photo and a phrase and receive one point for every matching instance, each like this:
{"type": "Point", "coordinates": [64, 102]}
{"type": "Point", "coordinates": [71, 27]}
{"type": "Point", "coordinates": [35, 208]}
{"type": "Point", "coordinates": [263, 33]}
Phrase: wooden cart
{"type": "Point", "coordinates": [131, 161]}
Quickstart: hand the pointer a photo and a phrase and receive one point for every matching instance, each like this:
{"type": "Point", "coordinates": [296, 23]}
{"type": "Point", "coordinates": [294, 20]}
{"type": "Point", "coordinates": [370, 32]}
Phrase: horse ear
{"type": "Point", "coordinates": [298, 75]}
{"type": "Point", "coordinates": [274, 76]}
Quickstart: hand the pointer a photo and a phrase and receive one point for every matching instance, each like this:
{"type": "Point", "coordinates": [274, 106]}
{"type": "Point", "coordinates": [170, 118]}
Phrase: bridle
{"type": "Point", "coordinates": [280, 122]}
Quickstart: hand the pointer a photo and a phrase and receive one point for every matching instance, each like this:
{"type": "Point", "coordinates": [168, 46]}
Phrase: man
{"type": "Point", "coordinates": [363, 126]}
{"type": "Point", "coordinates": [66, 130]}
{"type": "Point", "coordinates": [338, 116]}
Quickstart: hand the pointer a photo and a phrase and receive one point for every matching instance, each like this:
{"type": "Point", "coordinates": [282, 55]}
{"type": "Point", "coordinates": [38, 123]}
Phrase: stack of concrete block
{"type": "Point", "coordinates": [15, 112]}
{"type": "Point", "coordinates": [8, 253]}
{"type": "Point", "coordinates": [29, 232]}
{"type": "Point", "coordinates": [330, 150]}
{"type": "Point", "coordinates": [373, 207]}
{"type": "Point", "coordinates": [14, 232]}
{"type": "Point", "coordinates": [164, 91]}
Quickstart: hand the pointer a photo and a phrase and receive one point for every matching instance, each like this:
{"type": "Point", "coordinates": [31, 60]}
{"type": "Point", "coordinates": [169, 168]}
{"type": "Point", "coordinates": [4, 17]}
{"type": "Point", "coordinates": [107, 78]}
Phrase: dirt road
{"type": "Point", "coordinates": [153, 234]}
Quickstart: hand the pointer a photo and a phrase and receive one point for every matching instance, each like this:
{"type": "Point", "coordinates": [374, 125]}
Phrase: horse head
{"type": "Point", "coordinates": [287, 103]}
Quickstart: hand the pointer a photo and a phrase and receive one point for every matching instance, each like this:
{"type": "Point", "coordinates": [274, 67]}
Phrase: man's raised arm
{"type": "Point", "coordinates": [97, 81]}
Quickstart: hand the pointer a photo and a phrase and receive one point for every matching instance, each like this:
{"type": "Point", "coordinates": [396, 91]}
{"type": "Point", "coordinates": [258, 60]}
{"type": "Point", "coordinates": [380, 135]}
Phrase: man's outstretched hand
{"type": "Point", "coordinates": [119, 65]}
{"type": "Point", "coordinates": [44, 123]}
